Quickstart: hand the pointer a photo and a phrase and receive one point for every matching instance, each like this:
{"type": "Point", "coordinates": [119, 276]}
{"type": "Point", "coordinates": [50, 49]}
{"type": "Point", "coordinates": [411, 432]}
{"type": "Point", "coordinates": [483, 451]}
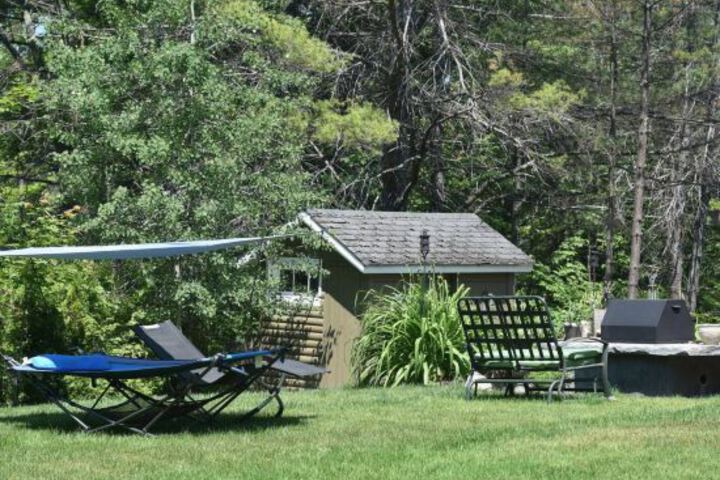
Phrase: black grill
{"type": "Point", "coordinates": [648, 321]}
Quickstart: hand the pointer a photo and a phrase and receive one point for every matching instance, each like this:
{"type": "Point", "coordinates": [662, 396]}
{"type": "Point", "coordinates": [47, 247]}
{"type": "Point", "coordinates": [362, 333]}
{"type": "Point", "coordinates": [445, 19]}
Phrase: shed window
{"type": "Point", "coordinates": [298, 278]}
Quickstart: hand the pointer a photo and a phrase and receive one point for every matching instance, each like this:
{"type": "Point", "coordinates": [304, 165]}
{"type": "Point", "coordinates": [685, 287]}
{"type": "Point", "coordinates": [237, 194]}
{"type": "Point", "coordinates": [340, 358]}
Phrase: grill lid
{"type": "Point", "coordinates": [647, 321]}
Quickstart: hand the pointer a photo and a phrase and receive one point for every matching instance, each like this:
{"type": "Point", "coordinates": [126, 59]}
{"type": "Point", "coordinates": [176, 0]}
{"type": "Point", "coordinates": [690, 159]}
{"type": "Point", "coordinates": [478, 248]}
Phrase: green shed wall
{"type": "Point", "coordinates": [344, 287]}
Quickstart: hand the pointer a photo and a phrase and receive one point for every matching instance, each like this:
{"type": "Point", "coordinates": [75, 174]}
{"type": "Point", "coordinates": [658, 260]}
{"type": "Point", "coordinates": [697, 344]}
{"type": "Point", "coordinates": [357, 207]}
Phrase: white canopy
{"type": "Point", "coordinates": [140, 250]}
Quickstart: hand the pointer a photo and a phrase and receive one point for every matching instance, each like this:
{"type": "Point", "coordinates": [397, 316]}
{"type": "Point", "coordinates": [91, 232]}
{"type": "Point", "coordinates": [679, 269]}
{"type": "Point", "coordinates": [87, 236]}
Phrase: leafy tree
{"type": "Point", "coordinates": [176, 120]}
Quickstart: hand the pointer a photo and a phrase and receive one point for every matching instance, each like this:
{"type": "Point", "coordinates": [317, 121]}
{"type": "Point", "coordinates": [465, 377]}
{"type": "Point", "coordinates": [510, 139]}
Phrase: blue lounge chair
{"type": "Point", "coordinates": [224, 376]}
{"type": "Point", "coordinates": [138, 412]}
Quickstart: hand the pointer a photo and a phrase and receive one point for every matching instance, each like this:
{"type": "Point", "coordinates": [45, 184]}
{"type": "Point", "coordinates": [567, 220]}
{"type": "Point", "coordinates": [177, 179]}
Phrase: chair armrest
{"type": "Point", "coordinates": [578, 341]}
{"type": "Point", "coordinates": [297, 369]}
{"type": "Point", "coordinates": [586, 340]}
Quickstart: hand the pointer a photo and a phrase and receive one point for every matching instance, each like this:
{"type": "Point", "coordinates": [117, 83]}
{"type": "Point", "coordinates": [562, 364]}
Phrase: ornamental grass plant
{"type": "Point", "coordinates": [411, 334]}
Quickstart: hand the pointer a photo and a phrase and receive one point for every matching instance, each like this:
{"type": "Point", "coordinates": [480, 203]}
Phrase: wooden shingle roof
{"type": "Point", "coordinates": [388, 242]}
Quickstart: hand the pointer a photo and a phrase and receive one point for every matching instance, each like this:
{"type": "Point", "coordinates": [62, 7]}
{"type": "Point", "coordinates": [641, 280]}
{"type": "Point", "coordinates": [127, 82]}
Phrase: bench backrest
{"type": "Point", "coordinates": [508, 328]}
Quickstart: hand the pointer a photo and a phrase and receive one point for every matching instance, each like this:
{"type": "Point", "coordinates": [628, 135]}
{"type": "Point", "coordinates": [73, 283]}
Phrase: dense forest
{"type": "Point", "coordinates": [584, 131]}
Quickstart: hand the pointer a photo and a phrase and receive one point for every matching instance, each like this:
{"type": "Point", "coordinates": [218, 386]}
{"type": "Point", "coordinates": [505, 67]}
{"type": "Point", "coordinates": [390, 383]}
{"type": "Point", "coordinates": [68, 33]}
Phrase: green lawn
{"type": "Point", "coordinates": [412, 432]}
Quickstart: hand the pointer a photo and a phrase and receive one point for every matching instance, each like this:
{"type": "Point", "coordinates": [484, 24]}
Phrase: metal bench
{"type": "Point", "coordinates": [510, 337]}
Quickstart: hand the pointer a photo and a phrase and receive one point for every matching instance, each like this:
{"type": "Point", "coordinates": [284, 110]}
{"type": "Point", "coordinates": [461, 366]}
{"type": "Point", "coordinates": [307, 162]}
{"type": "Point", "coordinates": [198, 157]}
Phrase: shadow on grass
{"type": "Point", "coordinates": [225, 422]}
{"type": "Point", "coordinates": [498, 396]}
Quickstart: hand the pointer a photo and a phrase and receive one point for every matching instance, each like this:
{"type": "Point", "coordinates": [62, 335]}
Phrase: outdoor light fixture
{"type": "Point", "coordinates": [424, 245]}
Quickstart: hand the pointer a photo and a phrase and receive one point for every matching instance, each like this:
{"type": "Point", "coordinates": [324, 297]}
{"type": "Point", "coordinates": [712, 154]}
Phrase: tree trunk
{"type": "Point", "coordinates": [676, 224]}
{"type": "Point", "coordinates": [439, 192]}
{"type": "Point", "coordinates": [701, 178]}
{"type": "Point", "coordinates": [442, 82]}
{"type": "Point", "coordinates": [696, 254]}
{"type": "Point", "coordinates": [612, 132]}
{"type": "Point", "coordinates": [193, 23]}
{"type": "Point", "coordinates": [641, 159]}
{"type": "Point", "coordinates": [398, 159]}
{"type": "Point", "coordinates": [679, 191]}
{"type": "Point", "coordinates": [675, 240]}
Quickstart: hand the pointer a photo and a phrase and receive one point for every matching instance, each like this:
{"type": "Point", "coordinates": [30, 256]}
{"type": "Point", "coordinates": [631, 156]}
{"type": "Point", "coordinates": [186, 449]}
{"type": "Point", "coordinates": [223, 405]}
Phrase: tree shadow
{"type": "Point", "coordinates": [225, 422]}
{"type": "Point", "coordinates": [536, 396]}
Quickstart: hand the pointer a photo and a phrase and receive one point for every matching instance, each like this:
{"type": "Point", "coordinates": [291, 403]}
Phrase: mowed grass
{"type": "Point", "coordinates": [409, 432]}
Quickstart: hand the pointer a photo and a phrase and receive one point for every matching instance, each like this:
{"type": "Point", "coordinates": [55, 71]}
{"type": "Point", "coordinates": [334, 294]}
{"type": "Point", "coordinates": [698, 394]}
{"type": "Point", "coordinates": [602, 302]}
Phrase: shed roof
{"type": "Point", "coordinates": [388, 242]}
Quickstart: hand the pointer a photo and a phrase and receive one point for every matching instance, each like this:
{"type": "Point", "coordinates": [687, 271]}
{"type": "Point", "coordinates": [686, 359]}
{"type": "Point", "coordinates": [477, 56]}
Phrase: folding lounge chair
{"type": "Point", "coordinates": [167, 342]}
{"type": "Point", "coordinates": [510, 337]}
{"type": "Point", "coordinates": [138, 412]}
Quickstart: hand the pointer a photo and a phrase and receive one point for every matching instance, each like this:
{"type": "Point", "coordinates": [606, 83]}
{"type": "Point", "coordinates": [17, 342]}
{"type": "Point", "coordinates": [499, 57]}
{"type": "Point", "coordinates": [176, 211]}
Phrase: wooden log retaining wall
{"type": "Point", "coordinates": [300, 331]}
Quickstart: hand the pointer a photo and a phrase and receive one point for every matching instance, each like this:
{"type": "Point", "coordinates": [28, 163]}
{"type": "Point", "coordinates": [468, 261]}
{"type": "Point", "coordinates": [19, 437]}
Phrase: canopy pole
{"type": "Point", "coordinates": [178, 279]}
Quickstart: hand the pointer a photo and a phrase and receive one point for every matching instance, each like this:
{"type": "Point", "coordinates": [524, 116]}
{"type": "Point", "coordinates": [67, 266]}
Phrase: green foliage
{"type": "Point", "coordinates": [411, 335]}
{"type": "Point", "coordinates": [353, 125]}
{"type": "Point", "coordinates": [566, 282]}
{"type": "Point", "coordinates": [138, 121]}
{"type": "Point", "coordinates": [148, 126]}
{"type": "Point", "coordinates": [166, 139]}
{"type": "Point", "coordinates": [552, 98]}
{"type": "Point", "coordinates": [17, 95]}
{"type": "Point", "coordinates": [52, 306]}
{"type": "Point", "coordinates": [708, 310]}
{"type": "Point", "coordinates": [504, 77]}
{"type": "Point", "coordinates": [288, 36]}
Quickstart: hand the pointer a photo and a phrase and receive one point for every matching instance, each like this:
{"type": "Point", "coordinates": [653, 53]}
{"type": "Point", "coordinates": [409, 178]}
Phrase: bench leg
{"type": "Point", "coordinates": [510, 390]}
{"type": "Point", "coordinates": [470, 386]}
{"type": "Point", "coordinates": [550, 390]}
{"type": "Point", "coordinates": [605, 379]}
{"type": "Point", "coordinates": [561, 385]}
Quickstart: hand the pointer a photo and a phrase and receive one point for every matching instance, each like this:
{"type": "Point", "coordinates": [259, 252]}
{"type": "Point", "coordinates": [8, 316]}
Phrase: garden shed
{"type": "Point", "coordinates": [373, 250]}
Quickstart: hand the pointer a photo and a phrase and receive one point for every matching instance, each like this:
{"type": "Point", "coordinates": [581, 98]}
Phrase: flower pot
{"type": "Point", "coordinates": [709, 333]}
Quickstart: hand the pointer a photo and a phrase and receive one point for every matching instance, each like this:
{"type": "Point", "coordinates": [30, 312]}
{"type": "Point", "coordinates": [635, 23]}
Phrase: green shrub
{"type": "Point", "coordinates": [565, 282]}
{"type": "Point", "coordinates": [411, 335]}
{"type": "Point", "coordinates": [47, 305]}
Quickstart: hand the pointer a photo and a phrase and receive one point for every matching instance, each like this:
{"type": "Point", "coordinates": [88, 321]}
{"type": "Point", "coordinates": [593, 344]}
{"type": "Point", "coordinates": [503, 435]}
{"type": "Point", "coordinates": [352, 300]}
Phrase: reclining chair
{"type": "Point", "coordinates": [167, 342]}
{"type": "Point", "coordinates": [138, 411]}
{"type": "Point", "coordinates": [509, 338]}
{"type": "Point", "coordinates": [184, 368]}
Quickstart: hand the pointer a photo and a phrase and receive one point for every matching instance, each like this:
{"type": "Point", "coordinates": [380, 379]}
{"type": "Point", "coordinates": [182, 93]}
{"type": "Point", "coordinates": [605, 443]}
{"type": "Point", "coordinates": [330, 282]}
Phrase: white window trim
{"type": "Point", "coordinates": [276, 265]}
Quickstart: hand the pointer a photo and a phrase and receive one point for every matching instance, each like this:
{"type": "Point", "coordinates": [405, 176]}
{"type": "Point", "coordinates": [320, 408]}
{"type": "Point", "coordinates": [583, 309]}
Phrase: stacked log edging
{"type": "Point", "coordinates": [300, 331]}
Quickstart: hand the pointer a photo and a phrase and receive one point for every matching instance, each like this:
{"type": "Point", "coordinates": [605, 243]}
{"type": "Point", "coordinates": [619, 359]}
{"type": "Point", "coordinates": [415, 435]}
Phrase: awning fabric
{"type": "Point", "coordinates": [133, 251]}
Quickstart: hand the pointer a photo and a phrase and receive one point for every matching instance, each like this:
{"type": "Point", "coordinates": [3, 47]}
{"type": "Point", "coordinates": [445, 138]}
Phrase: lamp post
{"type": "Point", "coordinates": [424, 251]}
{"type": "Point", "coordinates": [424, 245]}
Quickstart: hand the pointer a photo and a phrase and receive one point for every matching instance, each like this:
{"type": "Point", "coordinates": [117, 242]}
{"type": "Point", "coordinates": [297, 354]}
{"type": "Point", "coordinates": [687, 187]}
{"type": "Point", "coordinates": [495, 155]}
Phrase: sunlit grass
{"type": "Point", "coordinates": [410, 432]}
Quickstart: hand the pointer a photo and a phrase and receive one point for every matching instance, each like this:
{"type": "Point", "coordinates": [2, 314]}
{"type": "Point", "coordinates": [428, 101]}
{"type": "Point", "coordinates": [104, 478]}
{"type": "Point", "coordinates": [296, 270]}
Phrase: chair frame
{"type": "Point", "coordinates": [516, 331]}
{"type": "Point", "coordinates": [146, 410]}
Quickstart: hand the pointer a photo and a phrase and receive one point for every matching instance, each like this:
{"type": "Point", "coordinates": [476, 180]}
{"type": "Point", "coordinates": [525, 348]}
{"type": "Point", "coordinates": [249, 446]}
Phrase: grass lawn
{"type": "Point", "coordinates": [410, 432]}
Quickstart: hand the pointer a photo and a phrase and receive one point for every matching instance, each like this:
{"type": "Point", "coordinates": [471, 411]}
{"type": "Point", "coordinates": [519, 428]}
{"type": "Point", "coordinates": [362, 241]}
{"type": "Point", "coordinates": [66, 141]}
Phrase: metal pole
{"type": "Point", "coordinates": [424, 251]}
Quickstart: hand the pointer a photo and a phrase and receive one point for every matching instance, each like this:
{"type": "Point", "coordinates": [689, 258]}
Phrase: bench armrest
{"type": "Point", "coordinates": [586, 340]}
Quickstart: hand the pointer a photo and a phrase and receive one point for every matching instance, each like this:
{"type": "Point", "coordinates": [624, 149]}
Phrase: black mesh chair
{"type": "Point", "coordinates": [167, 342]}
